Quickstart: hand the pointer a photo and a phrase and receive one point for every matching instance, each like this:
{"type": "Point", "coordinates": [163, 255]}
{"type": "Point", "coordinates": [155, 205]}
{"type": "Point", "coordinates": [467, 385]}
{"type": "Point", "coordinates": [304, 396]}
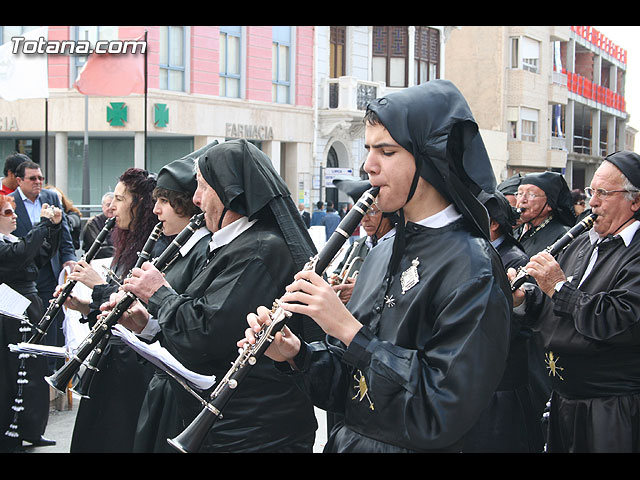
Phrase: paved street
{"type": "Point", "coordinates": [60, 428]}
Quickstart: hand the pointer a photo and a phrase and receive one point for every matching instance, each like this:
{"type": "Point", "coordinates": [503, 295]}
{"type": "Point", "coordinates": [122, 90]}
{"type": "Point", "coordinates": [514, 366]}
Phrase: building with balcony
{"type": "Point", "coordinates": [205, 83]}
{"type": "Point", "coordinates": [355, 64]}
{"type": "Point", "coordinates": [552, 96]}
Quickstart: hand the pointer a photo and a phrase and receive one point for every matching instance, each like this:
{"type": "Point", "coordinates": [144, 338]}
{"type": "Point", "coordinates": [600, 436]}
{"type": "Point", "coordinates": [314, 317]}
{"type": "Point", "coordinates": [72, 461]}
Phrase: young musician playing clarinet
{"type": "Point", "coordinates": [418, 351]}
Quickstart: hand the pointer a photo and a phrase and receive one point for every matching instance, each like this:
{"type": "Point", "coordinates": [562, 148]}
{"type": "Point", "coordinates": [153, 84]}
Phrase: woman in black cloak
{"type": "Point", "coordinates": [24, 394]}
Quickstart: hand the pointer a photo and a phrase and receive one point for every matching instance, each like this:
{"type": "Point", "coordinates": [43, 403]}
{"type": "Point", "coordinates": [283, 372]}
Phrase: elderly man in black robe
{"type": "Point", "coordinates": [546, 210]}
{"type": "Point", "coordinates": [415, 356]}
{"type": "Point", "coordinates": [588, 319]}
{"type": "Point", "coordinates": [259, 242]}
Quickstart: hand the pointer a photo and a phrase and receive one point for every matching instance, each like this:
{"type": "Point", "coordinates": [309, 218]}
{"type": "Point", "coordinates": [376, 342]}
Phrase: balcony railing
{"type": "Point", "coordinates": [586, 88]}
{"type": "Point", "coordinates": [350, 93]}
{"type": "Point", "coordinates": [597, 39]}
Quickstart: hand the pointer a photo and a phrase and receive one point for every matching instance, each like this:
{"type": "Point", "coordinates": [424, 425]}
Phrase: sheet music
{"type": "Point", "coordinates": [36, 349]}
{"type": "Point", "coordinates": [162, 359]}
{"type": "Point", "coordinates": [12, 303]}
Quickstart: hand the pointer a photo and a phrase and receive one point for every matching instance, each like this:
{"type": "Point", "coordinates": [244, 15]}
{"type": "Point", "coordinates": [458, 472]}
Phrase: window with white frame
{"type": "Point", "coordinates": [525, 54]}
{"type": "Point", "coordinates": [529, 124]}
{"type": "Point", "coordinates": [172, 58]}
{"type": "Point", "coordinates": [230, 66]}
{"type": "Point", "coordinates": [281, 64]}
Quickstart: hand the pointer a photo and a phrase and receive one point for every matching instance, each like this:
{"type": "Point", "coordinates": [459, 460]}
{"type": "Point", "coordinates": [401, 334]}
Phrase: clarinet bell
{"type": "Point", "coordinates": [192, 438]}
{"type": "Point", "coordinates": [60, 378]}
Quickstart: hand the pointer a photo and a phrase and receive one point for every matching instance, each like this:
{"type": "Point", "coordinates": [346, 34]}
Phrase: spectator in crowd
{"type": "Point", "coordinates": [10, 181]}
{"type": "Point", "coordinates": [330, 220]}
{"type": "Point", "coordinates": [29, 198]}
{"type": "Point", "coordinates": [318, 214]}
{"type": "Point", "coordinates": [305, 215]}
{"type": "Point", "coordinates": [72, 214]}
{"type": "Point", "coordinates": [95, 225]}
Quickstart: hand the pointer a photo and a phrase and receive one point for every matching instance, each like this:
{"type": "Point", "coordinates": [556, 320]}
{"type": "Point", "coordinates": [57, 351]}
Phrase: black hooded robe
{"type": "Point", "coordinates": [201, 327]}
{"type": "Point", "coordinates": [427, 360]}
{"type": "Point", "coordinates": [159, 417]}
{"type": "Point", "coordinates": [593, 333]}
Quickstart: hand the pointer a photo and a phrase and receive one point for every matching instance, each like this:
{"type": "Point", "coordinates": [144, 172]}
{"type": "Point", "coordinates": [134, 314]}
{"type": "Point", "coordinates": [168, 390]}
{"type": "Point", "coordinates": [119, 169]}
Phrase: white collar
{"type": "Point", "coordinates": [386, 236]}
{"type": "Point", "coordinates": [197, 235]}
{"type": "Point", "coordinates": [626, 233]}
{"type": "Point", "coordinates": [441, 219]}
{"type": "Point", "coordinates": [228, 233]}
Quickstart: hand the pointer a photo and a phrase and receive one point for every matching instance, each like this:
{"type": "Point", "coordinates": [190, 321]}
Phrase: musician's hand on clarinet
{"type": "Point", "coordinates": [546, 271]}
{"type": "Point", "coordinates": [135, 318]}
{"type": "Point", "coordinates": [285, 345]}
{"type": "Point", "coordinates": [144, 281]}
{"type": "Point", "coordinates": [518, 295]}
{"type": "Point", "coordinates": [72, 302]}
{"type": "Point", "coordinates": [86, 274]}
{"type": "Point", "coordinates": [344, 290]}
{"type": "Point", "coordinates": [310, 295]}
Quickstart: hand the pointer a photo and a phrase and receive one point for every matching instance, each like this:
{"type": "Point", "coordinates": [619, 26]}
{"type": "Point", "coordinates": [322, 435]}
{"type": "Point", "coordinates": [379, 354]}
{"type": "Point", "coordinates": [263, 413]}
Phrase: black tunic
{"type": "Point", "coordinates": [19, 264]}
{"type": "Point", "coordinates": [535, 241]}
{"type": "Point", "coordinates": [159, 417]}
{"type": "Point", "coordinates": [201, 328]}
{"type": "Point", "coordinates": [510, 424]}
{"type": "Point", "coordinates": [594, 336]}
{"type": "Point", "coordinates": [431, 357]}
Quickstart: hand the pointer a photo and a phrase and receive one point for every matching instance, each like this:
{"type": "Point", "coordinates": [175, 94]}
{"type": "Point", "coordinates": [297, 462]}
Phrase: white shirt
{"type": "Point", "coordinates": [626, 234]}
{"type": "Point", "coordinates": [33, 208]}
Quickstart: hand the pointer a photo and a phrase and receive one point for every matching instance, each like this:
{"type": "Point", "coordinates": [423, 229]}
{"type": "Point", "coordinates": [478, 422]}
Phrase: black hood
{"type": "Point", "coordinates": [434, 123]}
{"type": "Point", "coordinates": [558, 194]}
{"type": "Point", "coordinates": [246, 182]}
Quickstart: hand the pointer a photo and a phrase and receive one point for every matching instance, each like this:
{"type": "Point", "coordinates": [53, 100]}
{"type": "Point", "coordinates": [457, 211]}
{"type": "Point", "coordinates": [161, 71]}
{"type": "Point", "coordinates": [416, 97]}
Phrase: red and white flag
{"type": "Point", "coordinates": [112, 74]}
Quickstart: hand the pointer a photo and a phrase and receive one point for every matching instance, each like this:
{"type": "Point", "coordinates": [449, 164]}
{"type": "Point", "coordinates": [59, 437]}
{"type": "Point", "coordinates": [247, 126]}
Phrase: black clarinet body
{"type": "Point", "coordinates": [192, 438]}
{"type": "Point", "coordinates": [55, 306]}
{"type": "Point", "coordinates": [585, 224]}
{"type": "Point", "coordinates": [83, 385]}
{"type": "Point", "coordinates": [62, 376]}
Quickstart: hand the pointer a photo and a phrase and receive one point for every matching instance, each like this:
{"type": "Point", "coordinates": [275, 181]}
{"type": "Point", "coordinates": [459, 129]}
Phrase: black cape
{"type": "Point", "coordinates": [431, 357]}
{"type": "Point", "coordinates": [159, 416]}
{"type": "Point", "coordinates": [594, 335]}
{"type": "Point", "coordinates": [22, 385]}
{"type": "Point", "coordinates": [201, 327]}
{"type": "Point", "coordinates": [510, 424]}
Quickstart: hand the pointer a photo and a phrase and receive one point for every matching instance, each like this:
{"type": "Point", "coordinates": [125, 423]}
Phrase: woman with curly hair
{"type": "Point", "coordinates": [107, 418]}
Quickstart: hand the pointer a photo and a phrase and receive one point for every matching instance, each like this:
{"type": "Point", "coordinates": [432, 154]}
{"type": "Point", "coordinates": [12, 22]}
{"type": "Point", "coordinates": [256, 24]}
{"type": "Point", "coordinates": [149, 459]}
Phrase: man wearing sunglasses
{"type": "Point", "coordinates": [587, 309]}
{"type": "Point", "coordinates": [29, 197]}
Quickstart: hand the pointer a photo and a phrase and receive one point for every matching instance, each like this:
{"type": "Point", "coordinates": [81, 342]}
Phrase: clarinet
{"type": "Point", "coordinates": [84, 384]}
{"type": "Point", "coordinates": [56, 305]}
{"type": "Point", "coordinates": [192, 438]}
{"type": "Point", "coordinates": [585, 224]}
{"type": "Point", "coordinates": [103, 326]}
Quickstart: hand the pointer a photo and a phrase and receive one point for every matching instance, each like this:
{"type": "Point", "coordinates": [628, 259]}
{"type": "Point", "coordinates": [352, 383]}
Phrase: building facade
{"type": "Point", "coordinates": [205, 83]}
{"type": "Point", "coordinates": [355, 64]}
{"type": "Point", "coordinates": [551, 96]}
